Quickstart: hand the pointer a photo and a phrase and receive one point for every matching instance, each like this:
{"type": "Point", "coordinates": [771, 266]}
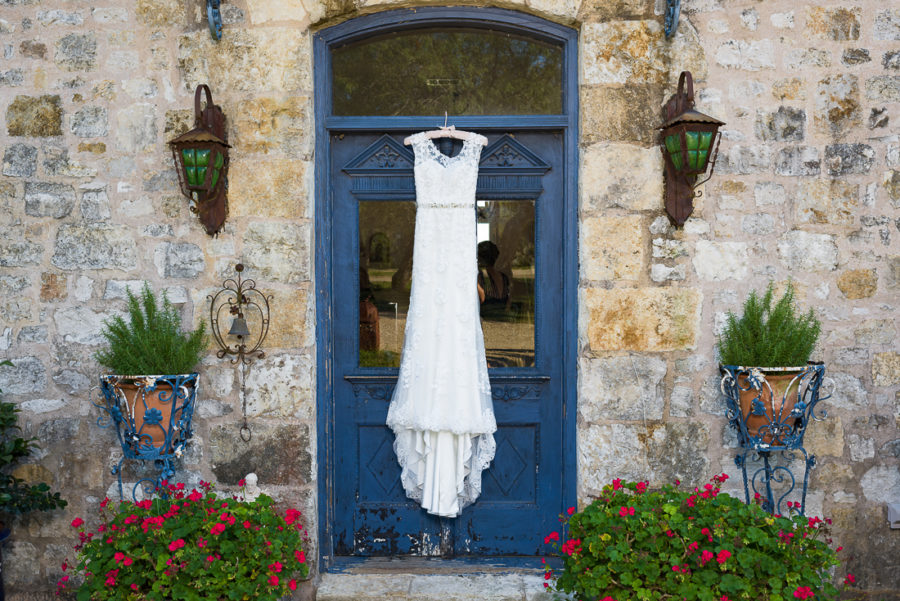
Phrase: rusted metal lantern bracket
{"type": "Point", "coordinates": [201, 160]}
{"type": "Point", "coordinates": [690, 145]}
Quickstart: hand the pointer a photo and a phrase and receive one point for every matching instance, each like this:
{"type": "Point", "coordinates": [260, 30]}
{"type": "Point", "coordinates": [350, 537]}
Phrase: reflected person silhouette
{"type": "Point", "coordinates": [493, 284]}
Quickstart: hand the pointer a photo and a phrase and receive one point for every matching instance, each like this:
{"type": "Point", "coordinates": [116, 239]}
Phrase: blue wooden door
{"type": "Point", "coordinates": [521, 216]}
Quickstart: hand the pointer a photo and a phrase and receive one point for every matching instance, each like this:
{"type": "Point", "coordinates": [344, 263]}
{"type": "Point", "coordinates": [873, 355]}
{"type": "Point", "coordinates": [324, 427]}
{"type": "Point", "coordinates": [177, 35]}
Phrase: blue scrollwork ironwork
{"type": "Point", "coordinates": [673, 11]}
{"type": "Point", "coordinates": [152, 417]}
{"type": "Point", "coordinates": [770, 410]}
{"type": "Point", "coordinates": [214, 17]}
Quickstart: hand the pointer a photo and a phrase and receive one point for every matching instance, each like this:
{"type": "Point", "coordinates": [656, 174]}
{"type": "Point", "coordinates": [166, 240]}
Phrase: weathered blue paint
{"type": "Point", "coordinates": [483, 531]}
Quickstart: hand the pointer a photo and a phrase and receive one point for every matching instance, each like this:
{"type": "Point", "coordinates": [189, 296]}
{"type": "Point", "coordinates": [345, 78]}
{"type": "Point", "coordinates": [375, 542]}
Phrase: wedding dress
{"type": "Point", "coordinates": [441, 410]}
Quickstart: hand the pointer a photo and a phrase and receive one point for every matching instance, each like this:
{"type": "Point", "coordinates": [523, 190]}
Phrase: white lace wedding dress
{"type": "Point", "coordinates": [441, 410]}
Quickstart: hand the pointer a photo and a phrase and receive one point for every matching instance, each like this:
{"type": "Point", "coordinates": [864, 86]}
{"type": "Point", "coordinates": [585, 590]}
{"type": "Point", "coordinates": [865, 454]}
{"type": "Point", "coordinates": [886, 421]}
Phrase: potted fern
{"type": "Point", "coordinates": [769, 347]}
{"type": "Point", "coordinates": [152, 381]}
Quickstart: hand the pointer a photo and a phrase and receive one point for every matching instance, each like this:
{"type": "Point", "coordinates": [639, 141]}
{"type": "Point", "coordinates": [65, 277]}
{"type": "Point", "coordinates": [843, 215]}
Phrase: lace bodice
{"type": "Point", "coordinates": [446, 181]}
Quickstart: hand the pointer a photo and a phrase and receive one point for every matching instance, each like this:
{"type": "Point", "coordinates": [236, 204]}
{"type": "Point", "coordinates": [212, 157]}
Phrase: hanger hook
{"type": "Point", "coordinates": [445, 118]}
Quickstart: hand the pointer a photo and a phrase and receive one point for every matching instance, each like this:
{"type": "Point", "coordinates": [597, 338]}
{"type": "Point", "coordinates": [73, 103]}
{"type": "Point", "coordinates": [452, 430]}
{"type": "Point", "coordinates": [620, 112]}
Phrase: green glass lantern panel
{"type": "Point", "coordinates": [202, 158]}
{"type": "Point", "coordinates": [673, 146]}
{"type": "Point", "coordinates": [705, 140]}
{"type": "Point", "coordinates": [217, 168]}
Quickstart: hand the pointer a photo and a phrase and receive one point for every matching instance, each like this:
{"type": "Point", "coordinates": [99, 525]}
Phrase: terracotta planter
{"type": "Point", "coordinates": [141, 404]}
{"type": "Point", "coordinates": [781, 390]}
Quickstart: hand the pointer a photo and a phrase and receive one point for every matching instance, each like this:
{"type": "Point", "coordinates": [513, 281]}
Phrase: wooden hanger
{"type": "Point", "coordinates": [448, 132]}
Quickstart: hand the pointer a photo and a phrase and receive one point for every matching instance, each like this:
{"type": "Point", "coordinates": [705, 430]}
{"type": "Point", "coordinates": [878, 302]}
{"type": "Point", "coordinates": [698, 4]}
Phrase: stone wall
{"type": "Point", "coordinates": [807, 186]}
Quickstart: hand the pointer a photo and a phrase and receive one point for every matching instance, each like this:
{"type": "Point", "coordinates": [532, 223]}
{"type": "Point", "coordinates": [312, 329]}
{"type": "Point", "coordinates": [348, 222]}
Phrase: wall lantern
{"type": "Point", "coordinates": [201, 160]}
{"type": "Point", "coordinates": [690, 143]}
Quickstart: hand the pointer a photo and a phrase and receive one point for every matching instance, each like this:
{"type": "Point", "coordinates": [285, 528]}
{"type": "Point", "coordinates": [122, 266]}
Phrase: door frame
{"type": "Point", "coordinates": [419, 18]}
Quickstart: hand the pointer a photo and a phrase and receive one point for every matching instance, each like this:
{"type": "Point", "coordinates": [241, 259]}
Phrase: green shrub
{"type": "Point", "coordinates": [151, 342]}
{"type": "Point", "coordinates": [16, 496]}
{"type": "Point", "coordinates": [767, 335]}
{"type": "Point", "coordinates": [700, 545]}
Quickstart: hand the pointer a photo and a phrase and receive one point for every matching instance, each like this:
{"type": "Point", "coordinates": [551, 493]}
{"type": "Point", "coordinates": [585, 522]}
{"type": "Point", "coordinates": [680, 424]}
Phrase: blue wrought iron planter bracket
{"type": "Point", "coordinates": [137, 406]}
{"type": "Point", "coordinates": [771, 409]}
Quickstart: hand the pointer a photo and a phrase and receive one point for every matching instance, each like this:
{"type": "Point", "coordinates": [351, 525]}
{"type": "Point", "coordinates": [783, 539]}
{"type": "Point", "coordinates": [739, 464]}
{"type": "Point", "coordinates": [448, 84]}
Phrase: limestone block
{"type": "Point", "coordinates": [48, 200]}
{"type": "Point", "coordinates": [837, 104]}
{"type": "Point", "coordinates": [875, 331]}
{"type": "Point", "coordinates": [621, 114]}
{"type": "Point", "coordinates": [849, 392]}
{"type": "Point", "coordinates": [72, 381]}
{"type": "Point", "coordinates": [681, 401]}
{"type": "Point", "coordinates": [80, 325]}
{"type": "Point", "coordinates": [768, 194]}
{"type": "Point", "coordinates": [281, 386]}
{"type": "Point", "coordinates": [807, 251]}
{"type": "Point", "coordinates": [798, 161]}
{"type": "Point", "coordinates": [291, 323]}
{"type": "Point", "coordinates": [621, 176]}
{"type": "Point", "coordinates": [744, 160]}
{"type": "Point", "coordinates": [34, 116]}
{"type": "Point", "coordinates": [136, 128]}
{"type": "Point", "coordinates": [663, 273]}
{"type": "Point", "coordinates": [881, 484]}
{"type": "Point", "coordinates": [26, 375]}
{"type": "Point", "coordinates": [886, 369]}
{"type": "Point", "coordinates": [891, 60]}
{"type": "Point", "coordinates": [263, 11]}
{"type": "Point", "coordinates": [833, 23]}
{"type": "Point", "coordinates": [636, 52]}
{"type": "Point", "coordinates": [19, 560]}
{"type": "Point", "coordinates": [59, 17]}
{"type": "Point", "coordinates": [179, 260]}
{"type": "Point", "coordinates": [642, 319]}
{"type": "Point", "coordinates": [274, 188]}
{"type": "Point", "coordinates": [847, 159]}
{"type": "Point", "coordinates": [107, 15]}
{"type": "Point", "coordinates": [620, 388]}
{"type": "Point", "coordinates": [247, 60]}
{"type": "Point", "coordinates": [118, 289]}
{"type": "Point", "coordinates": [90, 122]}
{"type": "Point", "coordinates": [852, 355]}
{"type": "Point", "coordinates": [791, 88]}
{"type": "Point", "coordinates": [884, 88]}
{"type": "Point", "coordinates": [277, 251]}
{"type": "Point", "coordinates": [273, 125]}
{"type": "Point", "coordinates": [801, 59]}
{"type": "Point", "coordinates": [611, 248]}
{"type": "Point", "coordinates": [53, 287]}
{"type": "Point", "coordinates": [20, 160]}
{"type": "Point", "coordinates": [608, 10]}
{"type": "Point", "coordinates": [855, 56]}
{"type": "Point", "coordinates": [887, 24]}
{"type": "Point", "coordinates": [717, 261]}
{"type": "Point", "coordinates": [891, 183]}
{"type": "Point", "coordinates": [658, 453]}
{"type": "Point", "coordinates": [666, 248]}
{"type": "Point", "coordinates": [94, 203]}
{"type": "Point", "coordinates": [94, 246]}
{"type": "Point", "coordinates": [826, 437]}
{"type": "Point", "coordinates": [17, 249]}
{"type": "Point", "coordinates": [787, 124]}
{"type": "Point", "coordinates": [893, 275]}
{"type": "Point", "coordinates": [858, 283]}
{"type": "Point", "coordinates": [278, 453]}
{"type": "Point", "coordinates": [160, 13]}
{"type": "Point", "coordinates": [759, 224]}
{"type": "Point", "coordinates": [861, 447]}
{"type": "Point", "coordinates": [12, 78]}
{"type": "Point", "coordinates": [140, 88]}
{"type": "Point", "coordinates": [38, 406]}
{"type": "Point", "coordinates": [77, 52]}
{"type": "Point", "coordinates": [782, 20]}
{"type": "Point", "coordinates": [746, 55]}
{"type": "Point", "coordinates": [14, 305]}
{"type": "Point", "coordinates": [827, 201]}
{"type": "Point", "coordinates": [32, 335]}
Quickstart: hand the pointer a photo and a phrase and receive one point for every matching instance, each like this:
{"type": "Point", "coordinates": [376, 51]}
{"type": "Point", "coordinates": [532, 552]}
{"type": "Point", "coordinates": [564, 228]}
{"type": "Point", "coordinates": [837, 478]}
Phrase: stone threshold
{"type": "Point", "coordinates": [432, 580]}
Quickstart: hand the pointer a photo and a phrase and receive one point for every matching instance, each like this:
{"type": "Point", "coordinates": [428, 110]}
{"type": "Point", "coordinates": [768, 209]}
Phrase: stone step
{"type": "Point", "coordinates": [524, 585]}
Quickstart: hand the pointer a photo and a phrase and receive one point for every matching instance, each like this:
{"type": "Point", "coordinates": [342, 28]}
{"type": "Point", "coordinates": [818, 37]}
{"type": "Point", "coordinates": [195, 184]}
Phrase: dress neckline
{"type": "Point", "coordinates": [442, 159]}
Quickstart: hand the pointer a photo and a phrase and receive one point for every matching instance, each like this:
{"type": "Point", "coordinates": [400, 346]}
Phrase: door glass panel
{"type": "Point", "coordinates": [386, 230]}
{"type": "Point", "coordinates": [506, 277]}
{"type": "Point", "coordinates": [506, 271]}
{"type": "Point", "coordinates": [463, 72]}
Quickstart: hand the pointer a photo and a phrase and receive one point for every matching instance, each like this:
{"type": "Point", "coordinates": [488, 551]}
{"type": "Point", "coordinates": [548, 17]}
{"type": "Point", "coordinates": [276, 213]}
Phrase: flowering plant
{"type": "Point", "coordinates": [636, 544]}
{"type": "Point", "coordinates": [194, 546]}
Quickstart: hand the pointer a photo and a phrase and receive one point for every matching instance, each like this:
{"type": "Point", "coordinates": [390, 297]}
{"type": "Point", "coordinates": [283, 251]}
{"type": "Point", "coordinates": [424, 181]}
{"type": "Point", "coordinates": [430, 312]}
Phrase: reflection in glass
{"type": "Point", "coordinates": [463, 72]}
{"type": "Point", "coordinates": [506, 281]}
{"type": "Point", "coordinates": [506, 271]}
{"type": "Point", "coordinates": [386, 230]}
